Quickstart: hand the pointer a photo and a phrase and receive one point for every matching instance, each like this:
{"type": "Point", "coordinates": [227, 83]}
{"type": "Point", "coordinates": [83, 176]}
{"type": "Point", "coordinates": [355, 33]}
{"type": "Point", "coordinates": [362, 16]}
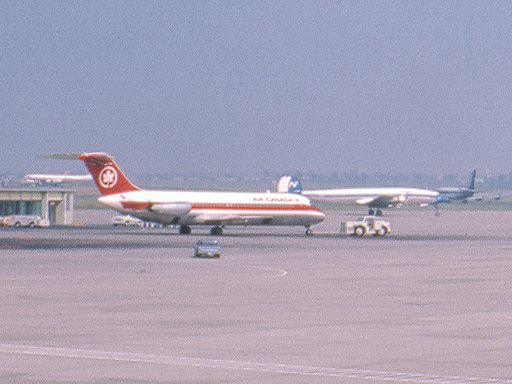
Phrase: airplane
{"type": "Point", "coordinates": [187, 208]}
{"type": "Point", "coordinates": [43, 179]}
{"type": "Point", "coordinates": [449, 194]}
{"type": "Point", "coordinates": [462, 194]}
{"type": "Point", "coordinates": [374, 198]}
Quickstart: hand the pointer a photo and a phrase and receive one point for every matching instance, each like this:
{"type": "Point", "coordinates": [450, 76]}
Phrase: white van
{"type": "Point", "coordinates": [30, 221]}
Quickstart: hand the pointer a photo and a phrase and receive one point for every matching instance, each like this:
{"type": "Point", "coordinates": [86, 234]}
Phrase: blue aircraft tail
{"type": "Point", "coordinates": [472, 180]}
{"type": "Point", "coordinates": [289, 184]}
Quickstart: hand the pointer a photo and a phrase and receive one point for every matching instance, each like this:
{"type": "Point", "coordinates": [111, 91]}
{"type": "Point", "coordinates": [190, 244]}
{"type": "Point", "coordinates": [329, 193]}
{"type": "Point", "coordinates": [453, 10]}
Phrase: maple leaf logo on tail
{"type": "Point", "coordinates": [108, 177]}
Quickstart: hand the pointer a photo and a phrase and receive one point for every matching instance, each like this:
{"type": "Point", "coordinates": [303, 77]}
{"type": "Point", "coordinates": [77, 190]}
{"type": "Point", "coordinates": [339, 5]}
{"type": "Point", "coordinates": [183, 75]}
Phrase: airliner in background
{"type": "Point", "coordinates": [375, 199]}
{"type": "Point", "coordinates": [188, 208]}
{"type": "Point", "coordinates": [47, 179]}
{"type": "Point", "coordinates": [462, 194]}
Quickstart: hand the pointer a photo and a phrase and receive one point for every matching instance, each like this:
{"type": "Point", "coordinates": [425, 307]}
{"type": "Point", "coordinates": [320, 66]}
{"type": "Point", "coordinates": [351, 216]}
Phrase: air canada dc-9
{"type": "Point", "coordinates": [190, 208]}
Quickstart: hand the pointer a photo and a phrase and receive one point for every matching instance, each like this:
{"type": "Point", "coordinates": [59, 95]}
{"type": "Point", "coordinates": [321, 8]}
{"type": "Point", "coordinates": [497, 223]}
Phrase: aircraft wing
{"type": "Point", "coordinates": [486, 196]}
{"type": "Point", "coordinates": [442, 199]}
{"type": "Point", "coordinates": [333, 194]}
{"type": "Point", "coordinates": [360, 197]}
{"type": "Point", "coordinates": [219, 219]}
{"type": "Point", "coordinates": [382, 201]}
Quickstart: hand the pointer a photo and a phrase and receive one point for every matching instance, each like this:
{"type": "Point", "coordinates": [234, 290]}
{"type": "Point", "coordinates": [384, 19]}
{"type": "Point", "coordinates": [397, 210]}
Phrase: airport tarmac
{"type": "Point", "coordinates": [431, 303]}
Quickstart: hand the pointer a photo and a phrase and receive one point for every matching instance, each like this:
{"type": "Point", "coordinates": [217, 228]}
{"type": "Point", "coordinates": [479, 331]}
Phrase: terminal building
{"type": "Point", "coordinates": [53, 204]}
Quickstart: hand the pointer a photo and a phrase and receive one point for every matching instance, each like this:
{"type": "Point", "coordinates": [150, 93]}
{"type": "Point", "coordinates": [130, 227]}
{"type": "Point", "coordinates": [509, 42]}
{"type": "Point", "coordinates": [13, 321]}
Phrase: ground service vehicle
{"type": "Point", "coordinates": [366, 225]}
{"type": "Point", "coordinates": [207, 248]}
{"type": "Point", "coordinates": [25, 221]}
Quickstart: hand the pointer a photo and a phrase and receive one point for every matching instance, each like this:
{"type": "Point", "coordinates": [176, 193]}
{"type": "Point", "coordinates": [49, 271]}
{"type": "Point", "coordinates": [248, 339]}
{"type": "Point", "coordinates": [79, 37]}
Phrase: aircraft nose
{"type": "Point", "coordinates": [319, 216]}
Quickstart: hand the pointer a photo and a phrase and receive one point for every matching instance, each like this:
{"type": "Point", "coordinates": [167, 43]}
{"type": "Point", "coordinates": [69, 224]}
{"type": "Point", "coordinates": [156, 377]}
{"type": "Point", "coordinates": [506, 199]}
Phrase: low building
{"type": "Point", "coordinates": [55, 205]}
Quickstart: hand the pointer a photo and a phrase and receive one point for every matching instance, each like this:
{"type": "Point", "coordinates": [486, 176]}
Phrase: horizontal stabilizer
{"type": "Point", "coordinates": [69, 156]}
{"type": "Point", "coordinates": [106, 174]}
{"type": "Point", "coordinates": [98, 157]}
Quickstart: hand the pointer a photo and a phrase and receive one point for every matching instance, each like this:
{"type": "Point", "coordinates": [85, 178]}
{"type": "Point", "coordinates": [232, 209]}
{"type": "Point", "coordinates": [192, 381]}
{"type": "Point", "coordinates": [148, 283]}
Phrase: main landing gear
{"type": "Point", "coordinates": [309, 231]}
{"type": "Point", "coordinates": [372, 212]}
{"type": "Point", "coordinates": [215, 231]}
{"type": "Point", "coordinates": [185, 230]}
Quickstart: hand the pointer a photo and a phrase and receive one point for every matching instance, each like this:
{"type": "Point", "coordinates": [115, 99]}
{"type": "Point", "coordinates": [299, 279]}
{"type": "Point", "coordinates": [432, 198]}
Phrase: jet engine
{"type": "Point", "coordinates": [172, 209]}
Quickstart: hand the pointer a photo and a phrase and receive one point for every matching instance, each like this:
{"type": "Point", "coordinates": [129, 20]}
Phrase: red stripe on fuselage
{"type": "Point", "coordinates": [254, 207]}
{"type": "Point", "coordinates": [140, 205]}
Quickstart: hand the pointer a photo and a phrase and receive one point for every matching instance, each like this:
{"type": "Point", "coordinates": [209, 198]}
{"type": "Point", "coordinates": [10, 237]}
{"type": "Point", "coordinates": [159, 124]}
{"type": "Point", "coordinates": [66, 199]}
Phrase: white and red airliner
{"type": "Point", "coordinates": [374, 198]}
{"type": "Point", "coordinates": [46, 179]}
{"type": "Point", "coordinates": [187, 208]}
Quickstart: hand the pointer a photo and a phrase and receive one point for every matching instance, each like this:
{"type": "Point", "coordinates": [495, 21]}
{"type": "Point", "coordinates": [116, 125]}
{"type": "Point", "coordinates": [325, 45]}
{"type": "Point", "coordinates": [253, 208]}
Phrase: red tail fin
{"type": "Point", "coordinates": [106, 174]}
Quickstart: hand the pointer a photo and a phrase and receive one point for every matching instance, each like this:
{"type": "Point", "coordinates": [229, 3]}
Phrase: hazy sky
{"type": "Point", "coordinates": [247, 87]}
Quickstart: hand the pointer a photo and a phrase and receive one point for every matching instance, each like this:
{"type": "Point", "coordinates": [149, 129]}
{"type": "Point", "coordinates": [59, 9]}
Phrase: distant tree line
{"type": "Point", "coordinates": [268, 180]}
{"type": "Point", "coordinates": [360, 179]}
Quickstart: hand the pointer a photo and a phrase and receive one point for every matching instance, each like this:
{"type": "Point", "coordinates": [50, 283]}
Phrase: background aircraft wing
{"type": "Point", "coordinates": [485, 196]}
{"type": "Point", "coordinates": [332, 194]}
{"type": "Point", "coordinates": [381, 201]}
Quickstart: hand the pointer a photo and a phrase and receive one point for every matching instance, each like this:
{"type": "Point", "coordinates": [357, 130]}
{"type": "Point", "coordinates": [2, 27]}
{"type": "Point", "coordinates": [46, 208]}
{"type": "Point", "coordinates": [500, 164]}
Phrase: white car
{"type": "Point", "coordinates": [207, 248]}
{"type": "Point", "coordinates": [30, 221]}
{"type": "Point", "coordinates": [127, 221]}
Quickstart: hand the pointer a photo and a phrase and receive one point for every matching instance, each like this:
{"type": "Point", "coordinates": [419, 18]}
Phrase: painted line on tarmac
{"type": "Point", "coordinates": [278, 272]}
{"type": "Point", "coordinates": [71, 353]}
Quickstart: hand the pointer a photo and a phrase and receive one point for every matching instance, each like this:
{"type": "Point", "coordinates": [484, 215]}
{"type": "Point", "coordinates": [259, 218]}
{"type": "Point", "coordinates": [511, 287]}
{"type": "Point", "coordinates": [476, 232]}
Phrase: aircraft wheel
{"type": "Point", "coordinates": [309, 232]}
{"type": "Point", "coordinates": [371, 212]}
{"type": "Point", "coordinates": [381, 232]}
{"type": "Point", "coordinates": [359, 231]}
{"type": "Point", "coordinates": [379, 212]}
{"type": "Point", "coordinates": [216, 231]}
{"type": "Point", "coordinates": [185, 230]}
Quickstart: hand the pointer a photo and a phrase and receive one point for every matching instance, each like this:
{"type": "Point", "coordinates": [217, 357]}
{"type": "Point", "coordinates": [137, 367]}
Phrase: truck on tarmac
{"type": "Point", "coordinates": [366, 225]}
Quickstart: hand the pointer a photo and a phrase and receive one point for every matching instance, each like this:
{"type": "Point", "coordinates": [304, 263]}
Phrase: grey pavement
{"type": "Point", "coordinates": [431, 303]}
